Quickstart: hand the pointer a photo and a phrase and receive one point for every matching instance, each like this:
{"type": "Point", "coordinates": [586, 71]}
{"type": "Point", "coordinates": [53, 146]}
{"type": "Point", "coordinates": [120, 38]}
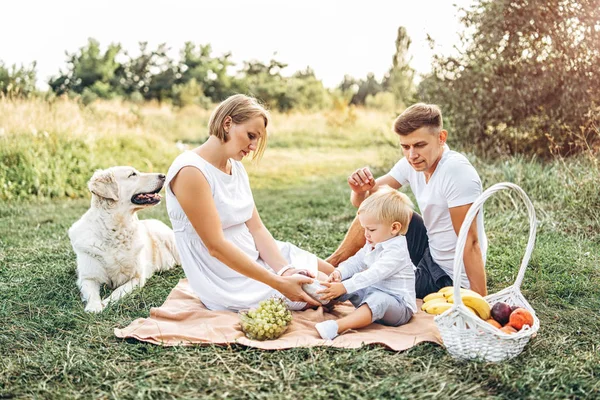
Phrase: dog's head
{"type": "Point", "coordinates": [127, 187]}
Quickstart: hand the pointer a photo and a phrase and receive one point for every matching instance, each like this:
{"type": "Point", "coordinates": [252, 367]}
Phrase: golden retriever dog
{"type": "Point", "coordinates": [112, 245]}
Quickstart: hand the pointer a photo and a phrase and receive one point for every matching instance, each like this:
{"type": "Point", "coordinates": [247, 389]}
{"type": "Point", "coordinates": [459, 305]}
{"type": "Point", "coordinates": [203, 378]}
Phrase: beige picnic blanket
{"type": "Point", "coordinates": [183, 320]}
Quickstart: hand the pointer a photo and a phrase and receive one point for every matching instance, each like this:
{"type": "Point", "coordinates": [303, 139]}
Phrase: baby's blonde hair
{"type": "Point", "coordinates": [240, 108]}
{"type": "Point", "coordinates": [388, 205]}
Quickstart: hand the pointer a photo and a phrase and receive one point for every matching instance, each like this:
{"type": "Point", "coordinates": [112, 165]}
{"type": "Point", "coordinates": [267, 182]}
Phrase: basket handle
{"type": "Point", "coordinates": [464, 229]}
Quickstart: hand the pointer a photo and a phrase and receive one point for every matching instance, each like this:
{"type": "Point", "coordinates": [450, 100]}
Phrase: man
{"type": "Point", "coordinates": [445, 185]}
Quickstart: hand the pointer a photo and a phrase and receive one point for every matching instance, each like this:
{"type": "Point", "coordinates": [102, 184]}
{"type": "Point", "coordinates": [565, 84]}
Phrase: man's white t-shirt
{"type": "Point", "coordinates": [453, 183]}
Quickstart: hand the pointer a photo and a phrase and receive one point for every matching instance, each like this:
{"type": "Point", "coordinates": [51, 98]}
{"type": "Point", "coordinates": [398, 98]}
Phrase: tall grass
{"type": "Point", "coordinates": [49, 150]}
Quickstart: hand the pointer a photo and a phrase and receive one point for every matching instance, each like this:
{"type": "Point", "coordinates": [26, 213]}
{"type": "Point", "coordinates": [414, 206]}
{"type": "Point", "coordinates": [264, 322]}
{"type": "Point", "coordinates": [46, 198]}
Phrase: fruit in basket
{"type": "Point", "coordinates": [501, 312]}
{"type": "Point", "coordinates": [436, 307]}
{"type": "Point", "coordinates": [463, 292]}
{"type": "Point", "coordinates": [513, 308]}
{"type": "Point", "coordinates": [493, 322]}
{"type": "Point", "coordinates": [431, 296]}
{"type": "Point", "coordinates": [519, 318]}
{"type": "Point", "coordinates": [476, 302]}
{"type": "Point", "coordinates": [432, 301]}
{"type": "Point", "coordinates": [472, 311]}
{"type": "Point", "coordinates": [450, 293]}
{"type": "Point", "coordinates": [446, 289]}
{"type": "Point", "coordinates": [508, 329]}
{"type": "Point", "coordinates": [267, 322]}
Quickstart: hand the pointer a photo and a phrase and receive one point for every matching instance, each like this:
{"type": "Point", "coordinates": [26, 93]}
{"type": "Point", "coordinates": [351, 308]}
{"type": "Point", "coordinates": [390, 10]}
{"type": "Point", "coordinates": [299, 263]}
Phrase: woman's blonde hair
{"type": "Point", "coordinates": [388, 205]}
{"type": "Point", "coordinates": [240, 108]}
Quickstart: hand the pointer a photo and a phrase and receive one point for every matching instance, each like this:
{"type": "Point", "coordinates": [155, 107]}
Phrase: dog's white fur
{"type": "Point", "coordinates": [112, 245]}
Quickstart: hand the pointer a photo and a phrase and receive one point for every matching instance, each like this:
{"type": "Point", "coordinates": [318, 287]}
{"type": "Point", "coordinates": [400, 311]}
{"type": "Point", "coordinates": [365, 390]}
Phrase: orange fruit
{"type": "Point", "coordinates": [519, 318]}
{"type": "Point", "coordinates": [508, 329]}
{"type": "Point", "coordinates": [492, 321]}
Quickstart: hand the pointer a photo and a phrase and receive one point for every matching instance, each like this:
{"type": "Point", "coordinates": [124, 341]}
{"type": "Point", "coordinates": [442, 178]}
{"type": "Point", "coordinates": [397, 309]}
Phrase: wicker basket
{"type": "Point", "coordinates": [467, 336]}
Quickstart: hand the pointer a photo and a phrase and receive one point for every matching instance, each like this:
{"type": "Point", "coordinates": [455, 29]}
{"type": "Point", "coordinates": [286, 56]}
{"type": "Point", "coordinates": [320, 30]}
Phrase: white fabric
{"type": "Point", "coordinates": [218, 286]}
{"type": "Point", "coordinates": [387, 267]}
{"type": "Point", "coordinates": [453, 183]}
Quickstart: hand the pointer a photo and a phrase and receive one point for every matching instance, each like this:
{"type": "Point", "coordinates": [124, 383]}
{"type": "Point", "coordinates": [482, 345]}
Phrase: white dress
{"type": "Point", "coordinates": [218, 286]}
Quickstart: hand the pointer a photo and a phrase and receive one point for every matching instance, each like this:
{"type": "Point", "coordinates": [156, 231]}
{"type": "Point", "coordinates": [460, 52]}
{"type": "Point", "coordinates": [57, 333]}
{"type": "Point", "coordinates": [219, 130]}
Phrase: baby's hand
{"type": "Point", "coordinates": [335, 276]}
{"type": "Point", "coordinates": [333, 290]}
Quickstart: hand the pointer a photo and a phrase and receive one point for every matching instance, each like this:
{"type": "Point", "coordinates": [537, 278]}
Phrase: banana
{"type": "Point", "coordinates": [432, 296]}
{"type": "Point", "coordinates": [476, 302]}
{"type": "Point", "coordinates": [472, 310]}
{"type": "Point", "coordinates": [437, 308]}
{"type": "Point", "coordinates": [463, 291]}
{"type": "Point", "coordinates": [430, 302]}
{"type": "Point", "coordinates": [470, 292]}
{"type": "Point", "coordinates": [446, 289]}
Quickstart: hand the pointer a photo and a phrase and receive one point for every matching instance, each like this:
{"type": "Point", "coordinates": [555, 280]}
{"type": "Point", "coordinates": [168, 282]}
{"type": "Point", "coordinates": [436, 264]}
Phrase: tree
{"type": "Point", "coordinates": [88, 68]}
{"type": "Point", "coordinates": [527, 73]}
{"type": "Point", "coordinates": [348, 85]}
{"type": "Point", "coordinates": [366, 87]}
{"type": "Point", "coordinates": [400, 78]}
{"type": "Point", "coordinates": [17, 82]}
{"type": "Point", "coordinates": [210, 72]}
{"type": "Point", "coordinates": [152, 73]}
{"type": "Point", "coordinates": [265, 82]}
{"type": "Point", "coordinates": [307, 91]}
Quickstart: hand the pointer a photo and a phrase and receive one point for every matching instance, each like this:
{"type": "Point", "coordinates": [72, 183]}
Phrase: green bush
{"type": "Point", "coordinates": [17, 82]}
{"type": "Point", "coordinates": [50, 165]}
{"type": "Point", "coordinates": [384, 101]}
{"type": "Point", "coordinates": [190, 93]}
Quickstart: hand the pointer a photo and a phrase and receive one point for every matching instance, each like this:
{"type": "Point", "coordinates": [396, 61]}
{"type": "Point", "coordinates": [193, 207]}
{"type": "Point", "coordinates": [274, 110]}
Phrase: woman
{"type": "Point", "coordinates": [229, 257]}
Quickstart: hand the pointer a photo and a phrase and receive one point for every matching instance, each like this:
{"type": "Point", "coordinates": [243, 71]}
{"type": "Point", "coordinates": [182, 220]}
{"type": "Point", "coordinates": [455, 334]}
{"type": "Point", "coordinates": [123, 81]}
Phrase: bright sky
{"type": "Point", "coordinates": [334, 38]}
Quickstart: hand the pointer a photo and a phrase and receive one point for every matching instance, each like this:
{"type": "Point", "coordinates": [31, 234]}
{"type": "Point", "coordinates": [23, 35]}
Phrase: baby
{"type": "Point", "coordinates": [379, 280]}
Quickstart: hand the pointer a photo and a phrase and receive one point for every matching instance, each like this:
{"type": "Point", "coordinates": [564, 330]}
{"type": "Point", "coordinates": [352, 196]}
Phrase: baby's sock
{"type": "Point", "coordinates": [327, 329]}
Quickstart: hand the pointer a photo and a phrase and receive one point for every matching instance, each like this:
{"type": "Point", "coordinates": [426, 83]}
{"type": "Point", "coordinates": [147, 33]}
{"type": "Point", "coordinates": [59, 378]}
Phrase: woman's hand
{"type": "Point", "coordinates": [293, 271]}
{"type": "Point", "coordinates": [361, 180]}
{"type": "Point", "coordinates": [291, 287]}
{"type": "Point", "coordinates": [333, 291]}
{"type": "Point", "coordinates": [335, 276]}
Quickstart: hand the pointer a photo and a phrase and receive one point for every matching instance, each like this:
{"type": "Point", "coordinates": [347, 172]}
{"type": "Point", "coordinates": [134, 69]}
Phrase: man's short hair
{"type": "Point", "coordinates": [418, 116]}
{"type": "Point", "coordinates": [388, 205]}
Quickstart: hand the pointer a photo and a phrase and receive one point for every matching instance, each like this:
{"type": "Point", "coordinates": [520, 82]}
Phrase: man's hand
{"type": "Point", "coordinates": [361, 180]}
{"type": "Point", "coordinates": [335, 276]}
{"type": "Point", "coordinates": [333, 291]}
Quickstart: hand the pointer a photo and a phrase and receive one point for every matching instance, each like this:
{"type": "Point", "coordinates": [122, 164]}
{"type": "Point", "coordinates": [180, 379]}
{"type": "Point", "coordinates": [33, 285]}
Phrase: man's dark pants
{"type": "Point", "coordinates": [429, 276]}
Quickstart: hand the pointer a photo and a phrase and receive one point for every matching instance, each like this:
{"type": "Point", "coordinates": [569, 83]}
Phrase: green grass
{"type": "Point", "coordinates": [51, 348]}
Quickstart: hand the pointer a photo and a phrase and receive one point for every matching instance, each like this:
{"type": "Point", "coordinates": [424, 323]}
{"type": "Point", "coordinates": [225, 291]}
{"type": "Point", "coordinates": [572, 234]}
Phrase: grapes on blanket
{"type": "Point", "coordinates": [267, 322]}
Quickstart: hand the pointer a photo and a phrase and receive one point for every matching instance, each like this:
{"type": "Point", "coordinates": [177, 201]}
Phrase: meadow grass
{"type": "Point", "coordinates": [51, 348]}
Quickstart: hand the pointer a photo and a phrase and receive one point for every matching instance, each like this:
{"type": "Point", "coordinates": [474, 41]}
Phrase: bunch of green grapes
{"type": "Point", "coordinates": [268, 321]}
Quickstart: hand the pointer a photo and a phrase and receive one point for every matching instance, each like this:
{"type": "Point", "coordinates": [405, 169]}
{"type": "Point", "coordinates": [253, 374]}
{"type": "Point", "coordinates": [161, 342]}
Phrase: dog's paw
{"type": "Point", "coordinates": [95, 307]}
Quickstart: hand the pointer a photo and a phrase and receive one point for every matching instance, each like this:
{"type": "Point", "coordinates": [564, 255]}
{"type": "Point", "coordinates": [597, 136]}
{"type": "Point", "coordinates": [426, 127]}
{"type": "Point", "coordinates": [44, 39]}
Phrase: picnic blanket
{"type": "Point", "coordinates": [183, 320]}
